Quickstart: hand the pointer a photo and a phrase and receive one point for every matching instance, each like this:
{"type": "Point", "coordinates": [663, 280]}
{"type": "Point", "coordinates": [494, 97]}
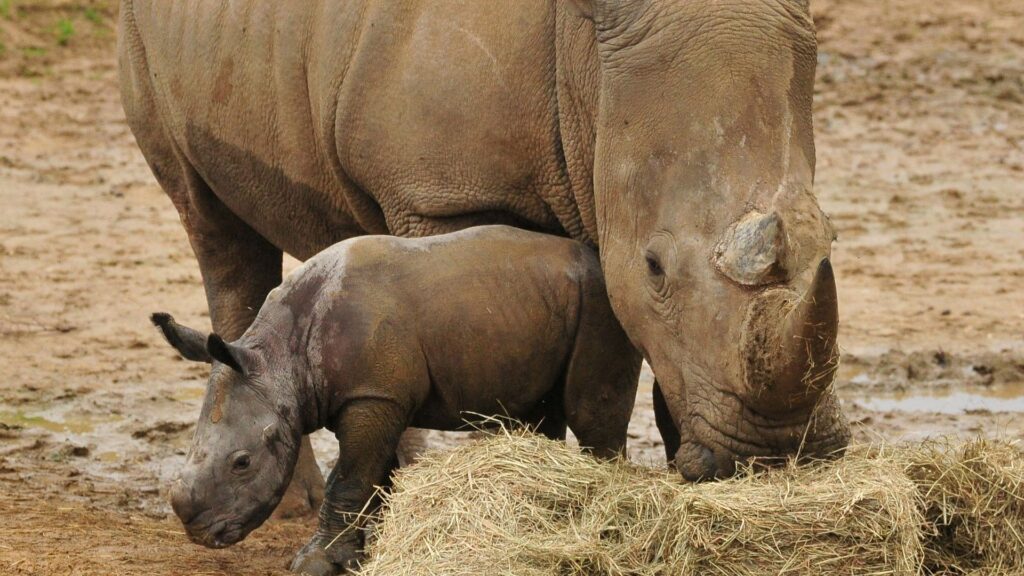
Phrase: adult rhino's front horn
{"type": "Point", "coordinates": [790, 343]}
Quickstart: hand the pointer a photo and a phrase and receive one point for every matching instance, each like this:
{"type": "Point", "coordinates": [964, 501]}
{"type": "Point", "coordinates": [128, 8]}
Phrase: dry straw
{"type": "Point", "coordinates": [519, 504]}
{"type": "Point", "coordinates": [972, 495]}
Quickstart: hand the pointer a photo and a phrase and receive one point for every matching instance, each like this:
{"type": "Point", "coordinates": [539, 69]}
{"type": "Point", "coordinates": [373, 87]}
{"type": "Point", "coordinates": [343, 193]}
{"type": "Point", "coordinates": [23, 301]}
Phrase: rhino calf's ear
{"type": "Point", "coordinates": [190, 343]}
{"type": "Point", "coordinates": [240, 359]}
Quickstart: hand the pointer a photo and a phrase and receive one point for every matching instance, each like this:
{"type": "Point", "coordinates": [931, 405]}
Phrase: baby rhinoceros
{"type": "Point", "coordinates": [379, 333]}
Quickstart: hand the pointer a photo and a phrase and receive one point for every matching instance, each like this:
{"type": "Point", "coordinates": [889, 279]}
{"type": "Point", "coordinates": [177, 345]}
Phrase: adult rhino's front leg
{"type": "Point", "coordinates": [368, 433]}
{"type": "Point", "coordinates": [238, 273]}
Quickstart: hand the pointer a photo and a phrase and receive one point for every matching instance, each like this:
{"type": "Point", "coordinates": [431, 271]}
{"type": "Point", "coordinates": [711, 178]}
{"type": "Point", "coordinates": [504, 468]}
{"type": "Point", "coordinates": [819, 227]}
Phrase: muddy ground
{"type": "Point", "coordinates": [920, 135]}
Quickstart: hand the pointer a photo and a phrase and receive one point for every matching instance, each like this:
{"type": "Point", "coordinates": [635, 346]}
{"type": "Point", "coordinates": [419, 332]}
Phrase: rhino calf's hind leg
{"type": "Point", "coordinates": [666, 425]}
{"type": "Point", "coordinates": [692, 459]}
{"type": "Point", "coordinates": [550, 420]}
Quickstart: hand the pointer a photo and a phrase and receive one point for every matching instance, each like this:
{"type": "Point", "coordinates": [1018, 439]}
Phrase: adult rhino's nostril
{"type": "Point", "coordinates": [182, 503]}
{"type": "Point", "coordinates": [696, 462]}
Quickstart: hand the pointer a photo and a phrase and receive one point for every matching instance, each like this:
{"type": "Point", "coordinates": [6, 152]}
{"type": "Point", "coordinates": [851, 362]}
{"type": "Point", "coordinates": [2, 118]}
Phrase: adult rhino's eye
{"type": "Point", "coordinates": [240, 461]}
{"type": "Point", "coordinates": [653, 265]}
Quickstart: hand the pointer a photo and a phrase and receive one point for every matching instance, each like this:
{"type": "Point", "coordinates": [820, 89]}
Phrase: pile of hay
{"type": "Point", "coordinates": [972, 497]}
{"type": "Point", "coordinates": [520, 504]}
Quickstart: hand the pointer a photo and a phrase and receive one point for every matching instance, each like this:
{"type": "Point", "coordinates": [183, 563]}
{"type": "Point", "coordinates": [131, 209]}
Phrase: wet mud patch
{"type": "Point", "coordinates": [896, 370]}
{"type": "Point", "coordinates": [992, 400]}
{"type": "Point", "coordinates": [165, 432]}
{"type": "Point", "coordinates": [85, 539]}
{"type": "Point", "coordinates": [900, 395]}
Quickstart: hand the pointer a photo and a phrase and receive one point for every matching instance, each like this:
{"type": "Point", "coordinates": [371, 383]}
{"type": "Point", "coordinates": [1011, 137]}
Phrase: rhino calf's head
{"type": "Point", "coordinates": [245, 445]}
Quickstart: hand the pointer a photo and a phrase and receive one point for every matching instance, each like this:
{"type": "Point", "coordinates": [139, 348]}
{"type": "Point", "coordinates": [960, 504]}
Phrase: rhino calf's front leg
{"type": "Point", "coordinates": [368, 432]}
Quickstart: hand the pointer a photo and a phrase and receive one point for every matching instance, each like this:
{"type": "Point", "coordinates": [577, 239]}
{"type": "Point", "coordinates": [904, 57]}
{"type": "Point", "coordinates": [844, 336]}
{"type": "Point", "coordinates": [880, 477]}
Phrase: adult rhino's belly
{"type": "Point", "coordinates": [298, 217]}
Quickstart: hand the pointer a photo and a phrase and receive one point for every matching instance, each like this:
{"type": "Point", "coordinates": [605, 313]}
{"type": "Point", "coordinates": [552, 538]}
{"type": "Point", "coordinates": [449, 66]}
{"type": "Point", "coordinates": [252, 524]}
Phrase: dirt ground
{"type": "Point", "coordinates": [920, 136]}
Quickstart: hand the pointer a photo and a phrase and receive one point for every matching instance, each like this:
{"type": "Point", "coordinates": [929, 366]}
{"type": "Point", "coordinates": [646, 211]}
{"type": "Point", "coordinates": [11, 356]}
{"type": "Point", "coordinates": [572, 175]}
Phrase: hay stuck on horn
{"type": "Point", "coordinates": [520, 504]}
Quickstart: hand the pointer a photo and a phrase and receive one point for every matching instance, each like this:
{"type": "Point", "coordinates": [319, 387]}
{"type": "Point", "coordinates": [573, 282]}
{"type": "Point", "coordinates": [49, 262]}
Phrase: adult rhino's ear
{"type": "Point", "coordinates": [239, 358]}
{"type": "Point", "coordinates": [188, 342]}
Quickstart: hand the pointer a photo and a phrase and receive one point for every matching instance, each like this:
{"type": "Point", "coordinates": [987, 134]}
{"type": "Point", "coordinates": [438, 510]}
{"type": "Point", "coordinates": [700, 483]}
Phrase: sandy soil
{"type": "Point", "coordinates": [920, 133]}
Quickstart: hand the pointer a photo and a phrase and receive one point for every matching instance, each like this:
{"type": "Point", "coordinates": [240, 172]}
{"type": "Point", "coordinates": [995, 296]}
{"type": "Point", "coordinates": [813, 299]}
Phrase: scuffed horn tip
{"type": "Point", "coordinates": [821, 304]}
{"type": "Point", "coordinates": [815, 322]}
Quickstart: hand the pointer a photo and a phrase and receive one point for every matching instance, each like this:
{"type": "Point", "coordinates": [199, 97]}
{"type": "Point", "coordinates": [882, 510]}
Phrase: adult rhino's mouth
{"type": "Point", "coordinates": [713, 450]}
{"type": "Point", "coordinates": [719, 431]}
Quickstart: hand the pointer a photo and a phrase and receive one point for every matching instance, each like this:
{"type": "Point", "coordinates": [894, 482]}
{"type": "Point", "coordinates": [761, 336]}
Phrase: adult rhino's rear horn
{"type": "Point", "coordinates": [790, 362]}
{"type": "Point", "coordinates": [753, 250]}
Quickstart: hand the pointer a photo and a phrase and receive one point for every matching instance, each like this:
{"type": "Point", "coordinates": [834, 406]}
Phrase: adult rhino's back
{"type": "Point", "coordinates": [313, 121]}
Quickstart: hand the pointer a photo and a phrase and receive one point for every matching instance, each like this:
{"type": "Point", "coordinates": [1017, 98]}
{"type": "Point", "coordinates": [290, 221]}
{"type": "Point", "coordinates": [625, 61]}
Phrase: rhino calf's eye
{"type": "Point", "coordinates": [241, 462]}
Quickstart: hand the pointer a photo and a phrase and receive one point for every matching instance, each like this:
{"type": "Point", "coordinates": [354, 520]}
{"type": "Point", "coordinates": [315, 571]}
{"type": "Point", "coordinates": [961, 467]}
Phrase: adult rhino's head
{"type": "Point", "coordinates": [714, 249]}
{"type": "Point", "coordinates": [245, 445]}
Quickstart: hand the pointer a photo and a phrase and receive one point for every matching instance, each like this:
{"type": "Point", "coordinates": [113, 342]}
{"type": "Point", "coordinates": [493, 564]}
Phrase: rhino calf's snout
{"type": "Point", "coordinates": [182, 503]}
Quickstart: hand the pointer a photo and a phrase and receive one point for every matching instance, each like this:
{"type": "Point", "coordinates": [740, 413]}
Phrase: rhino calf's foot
{"type": "Point", "coordinates": [321, 558]}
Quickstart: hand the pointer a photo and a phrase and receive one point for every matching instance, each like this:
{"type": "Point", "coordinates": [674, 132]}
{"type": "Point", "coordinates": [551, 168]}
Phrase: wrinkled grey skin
{"type": "Point", "coordinates": [674, 135]}
{"type": "Point", "coordinates": [379, 333]}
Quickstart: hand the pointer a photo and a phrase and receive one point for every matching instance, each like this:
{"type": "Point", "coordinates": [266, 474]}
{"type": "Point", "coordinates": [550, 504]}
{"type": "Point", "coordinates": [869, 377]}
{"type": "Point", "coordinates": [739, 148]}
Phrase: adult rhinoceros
{"type": "Point", "coordinates": [674, 135]}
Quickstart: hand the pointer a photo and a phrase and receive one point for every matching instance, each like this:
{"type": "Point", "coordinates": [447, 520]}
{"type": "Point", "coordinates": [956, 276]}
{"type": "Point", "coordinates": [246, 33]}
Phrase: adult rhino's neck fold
{"type": "Point", "coordinates": [577, 78]}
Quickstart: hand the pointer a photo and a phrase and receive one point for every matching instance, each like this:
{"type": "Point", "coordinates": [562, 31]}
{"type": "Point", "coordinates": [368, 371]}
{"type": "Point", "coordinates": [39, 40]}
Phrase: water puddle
{"type": "Point", "coordinates": [54, 423]}
{"type": "Point", "coordinates": [189, 393]}
{"type": "Point", "coordinates": [999, 398]}
{"type": "Point", "coordinates": [109, 457]}
{"type": "Point", "coordinates": [93, 442]}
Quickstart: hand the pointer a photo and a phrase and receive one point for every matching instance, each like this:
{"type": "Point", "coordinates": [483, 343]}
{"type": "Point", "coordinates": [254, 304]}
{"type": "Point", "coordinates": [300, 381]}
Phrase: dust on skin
{"type": "Point", "coordinates": [218, 402]}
